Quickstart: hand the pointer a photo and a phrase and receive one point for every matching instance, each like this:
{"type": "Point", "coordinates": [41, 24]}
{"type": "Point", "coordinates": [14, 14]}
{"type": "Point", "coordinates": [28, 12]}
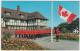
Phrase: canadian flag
{"type": "Point", "coordinates": [66, 15]}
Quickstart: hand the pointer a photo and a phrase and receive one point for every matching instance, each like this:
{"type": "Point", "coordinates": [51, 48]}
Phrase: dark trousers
{"type": "Point", "coordinates": [57, 37]}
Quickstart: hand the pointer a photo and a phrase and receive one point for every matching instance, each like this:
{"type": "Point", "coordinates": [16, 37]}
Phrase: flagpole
{"type": "Point", "coordinates": [51, 35]}
{"type": "Point", "coordinates": [52, 21]}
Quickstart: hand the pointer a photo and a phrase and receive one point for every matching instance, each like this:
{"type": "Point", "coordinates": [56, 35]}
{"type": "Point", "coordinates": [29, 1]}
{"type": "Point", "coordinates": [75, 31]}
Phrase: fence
{"type": "Point", "coordinates": [70, 36]}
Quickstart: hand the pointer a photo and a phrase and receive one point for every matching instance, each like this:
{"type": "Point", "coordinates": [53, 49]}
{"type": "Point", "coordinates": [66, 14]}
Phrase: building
{"type": "Point", "coordinates": [19, 20]}
{"type": "Point", "coordinates": [76, 30]}
{"type": "Point", "coordinates": [16, 19]}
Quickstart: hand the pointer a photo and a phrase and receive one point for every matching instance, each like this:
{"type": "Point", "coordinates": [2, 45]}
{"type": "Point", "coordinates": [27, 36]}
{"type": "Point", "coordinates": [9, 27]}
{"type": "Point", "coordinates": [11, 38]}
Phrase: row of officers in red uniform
{"type": "Point", "coordinates": [57, 32]}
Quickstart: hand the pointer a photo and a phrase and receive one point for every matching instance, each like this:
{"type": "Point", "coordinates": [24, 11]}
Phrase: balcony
{"type": "Point", "coordinates": [29, 24]}
{"type": "Point", "coordinates": [17, 24]}
{"type": "Point", "coordinates": [38, 24]}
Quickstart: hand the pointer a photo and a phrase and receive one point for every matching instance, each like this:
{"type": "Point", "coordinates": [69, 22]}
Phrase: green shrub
{"type": "Point", "coordinates": [6, 36]}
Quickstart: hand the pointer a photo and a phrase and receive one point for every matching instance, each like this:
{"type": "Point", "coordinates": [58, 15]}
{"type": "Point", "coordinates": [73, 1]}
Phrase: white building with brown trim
{"type": "Point", "coordinates": [19, 20]}
{"type": "Point", "coordinates": [16, 19]}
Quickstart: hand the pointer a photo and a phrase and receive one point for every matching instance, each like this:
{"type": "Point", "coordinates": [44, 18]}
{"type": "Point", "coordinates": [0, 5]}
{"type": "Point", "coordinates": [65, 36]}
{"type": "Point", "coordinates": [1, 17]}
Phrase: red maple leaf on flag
{"type": "Point", "coordinates": [64, 13]}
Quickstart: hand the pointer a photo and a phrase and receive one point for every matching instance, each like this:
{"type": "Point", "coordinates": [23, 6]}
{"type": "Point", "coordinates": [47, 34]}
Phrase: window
{"type": "Point", "coordinates": [38, 20]}
{"type": "Point", "coordinates": [11, 27]}
{"type": "Point", "coordinates": [8, 27]}
{"type": "Point", "coordinates": [15, 20]}
{"type": "Point", "coordinates": [17, 27]}
{"type": "Point", "coordinates": [8, 14]}
{"type": "Point", "coordinates": [22, 21]}
{"type": "Point", "coordinates": [14, 27]}
{"type": "Point", "coordinates": [34, 21]}
{"type": "Point", "coordinates": [1, 20]}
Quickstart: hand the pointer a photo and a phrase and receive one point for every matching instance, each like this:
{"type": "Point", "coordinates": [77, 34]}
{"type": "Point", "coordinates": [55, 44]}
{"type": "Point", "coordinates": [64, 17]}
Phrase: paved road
{"type": "Point", "coordinates": [61, 45]}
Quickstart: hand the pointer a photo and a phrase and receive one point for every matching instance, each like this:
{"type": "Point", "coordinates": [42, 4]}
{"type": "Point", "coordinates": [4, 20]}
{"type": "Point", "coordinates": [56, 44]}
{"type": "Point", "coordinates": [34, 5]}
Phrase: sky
{"type": "Point", "coordinates": [44, 7]}
{"type": "Point", "coordinates": [41, 0]}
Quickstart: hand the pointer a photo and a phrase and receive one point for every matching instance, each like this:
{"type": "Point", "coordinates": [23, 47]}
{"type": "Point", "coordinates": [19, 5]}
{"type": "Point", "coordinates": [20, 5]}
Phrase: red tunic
{"type": "Point", "coordinates": [58, 33]}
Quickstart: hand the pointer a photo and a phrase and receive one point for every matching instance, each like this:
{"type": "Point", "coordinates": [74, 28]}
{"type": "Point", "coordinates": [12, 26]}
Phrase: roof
{"type": "Point", "coordinates": [33, 31]}
{"type": "Point", "coordinates": [27, 16]}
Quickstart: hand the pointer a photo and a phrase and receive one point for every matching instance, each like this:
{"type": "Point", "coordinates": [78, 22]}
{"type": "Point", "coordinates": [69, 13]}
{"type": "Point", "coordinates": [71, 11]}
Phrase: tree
{"type": "Point", "coordinates": [69, 27]}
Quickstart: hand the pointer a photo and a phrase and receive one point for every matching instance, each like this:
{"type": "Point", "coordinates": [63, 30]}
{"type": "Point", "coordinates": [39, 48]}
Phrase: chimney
{"type": "Point", "coordinates": [18, 8]}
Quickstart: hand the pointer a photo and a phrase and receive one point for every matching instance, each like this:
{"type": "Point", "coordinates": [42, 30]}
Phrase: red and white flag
{"type": "Point", "coordinates": [66, 15]}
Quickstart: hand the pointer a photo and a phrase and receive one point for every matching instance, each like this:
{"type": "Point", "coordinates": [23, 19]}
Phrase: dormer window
{"type": "Point", "coordinates": [21, 15]}
{"type": "Point", "coordinates": [7, 13]}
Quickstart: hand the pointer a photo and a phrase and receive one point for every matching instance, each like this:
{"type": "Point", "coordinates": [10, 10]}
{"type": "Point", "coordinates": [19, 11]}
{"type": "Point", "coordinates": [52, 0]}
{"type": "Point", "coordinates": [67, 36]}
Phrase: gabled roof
{"type": "Point", "coordinates": [27, 16]}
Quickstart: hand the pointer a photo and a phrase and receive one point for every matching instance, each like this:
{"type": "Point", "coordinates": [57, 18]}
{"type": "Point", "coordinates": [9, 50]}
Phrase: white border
{"type": "Point", "coordinates": [52, 15]}
{"type": "Point", "coordinates": [0, 24]}
{"type": "Point", "coordinates": [79, 25]}
{"type": "Point", "coordinates": [40, 0]}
